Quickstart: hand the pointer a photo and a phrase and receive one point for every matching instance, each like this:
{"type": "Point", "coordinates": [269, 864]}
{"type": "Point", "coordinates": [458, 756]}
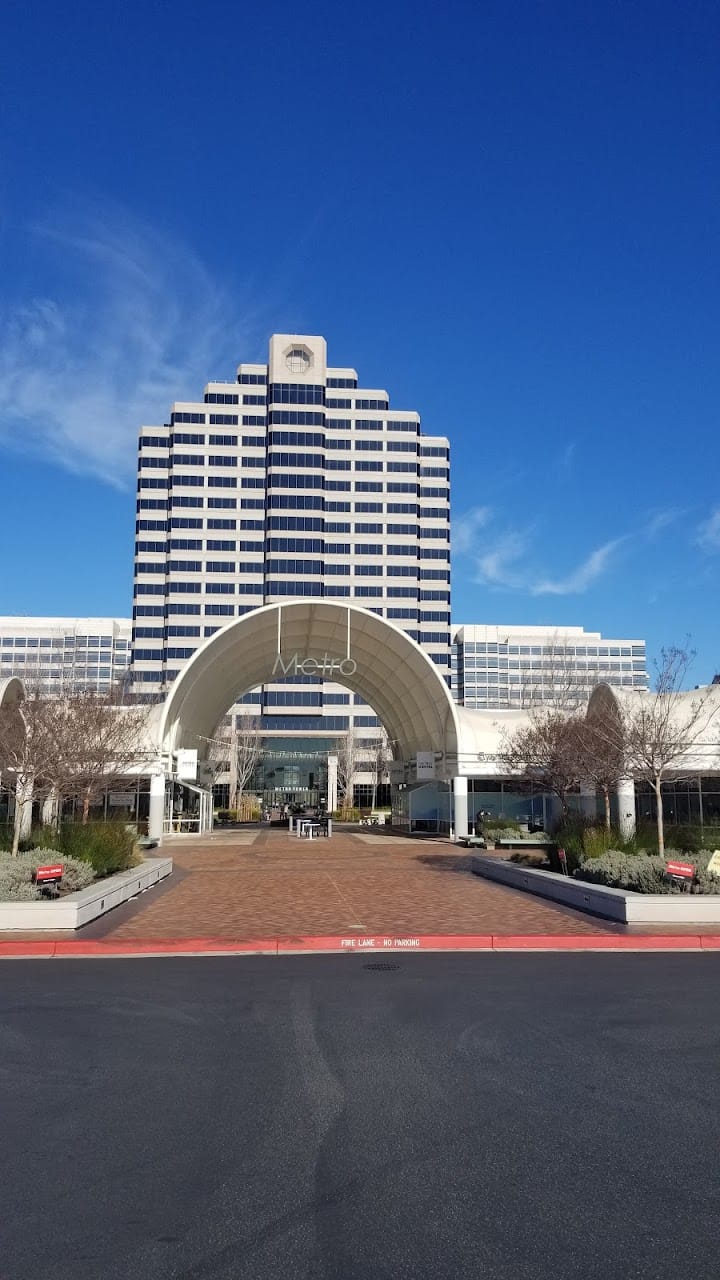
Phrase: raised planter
{"type": "Point", "coordinates": [613, 904]}
{"type": "Point", "coordinates": [77, 909]}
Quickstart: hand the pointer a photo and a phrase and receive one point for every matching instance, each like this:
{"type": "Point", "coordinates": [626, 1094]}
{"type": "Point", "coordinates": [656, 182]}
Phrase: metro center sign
{"type": "Point", "coordinates": [327, 666]}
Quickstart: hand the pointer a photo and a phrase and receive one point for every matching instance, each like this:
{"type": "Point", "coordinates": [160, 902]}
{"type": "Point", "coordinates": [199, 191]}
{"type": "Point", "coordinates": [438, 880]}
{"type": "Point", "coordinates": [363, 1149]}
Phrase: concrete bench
{"type": "Point", "coordinates": [521, 844]}
{"type": "Point", "coordinates": [472, 842]}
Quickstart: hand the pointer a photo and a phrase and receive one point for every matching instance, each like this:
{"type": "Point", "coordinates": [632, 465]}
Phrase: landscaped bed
{"type": "Point", "coordinates": [17, 883]}
{"type": "Point", "coordinates": [648, 873]}
{"type": "Point", "coordinates": [632, 884]}
{"type": "Point", "coordinates": [86, 852]}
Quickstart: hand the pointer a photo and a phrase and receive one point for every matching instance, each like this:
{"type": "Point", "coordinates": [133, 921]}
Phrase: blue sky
{"type": "Point", "coordinates": [506, 214]}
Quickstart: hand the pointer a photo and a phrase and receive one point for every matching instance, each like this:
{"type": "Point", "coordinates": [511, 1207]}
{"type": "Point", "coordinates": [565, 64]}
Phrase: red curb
{"type": "Point", "coordinates": [597, 942]}
{"type": "Point", "coordinates": [166, 946]}
{"type": "Point", "coordinates": [378, 944]}
{"type": "Point", "coordinates": [27, 949]}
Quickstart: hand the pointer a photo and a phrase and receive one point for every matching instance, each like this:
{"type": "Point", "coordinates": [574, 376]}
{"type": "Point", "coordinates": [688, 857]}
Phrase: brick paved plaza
{"type": "Point", "coordinates": [265, 882]}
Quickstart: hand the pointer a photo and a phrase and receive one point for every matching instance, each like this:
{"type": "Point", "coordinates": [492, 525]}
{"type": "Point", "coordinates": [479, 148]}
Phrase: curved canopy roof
{"type": "Point", "coordinates": [392, 673]}
{"type": "Point", "coordinates": [11, 690]}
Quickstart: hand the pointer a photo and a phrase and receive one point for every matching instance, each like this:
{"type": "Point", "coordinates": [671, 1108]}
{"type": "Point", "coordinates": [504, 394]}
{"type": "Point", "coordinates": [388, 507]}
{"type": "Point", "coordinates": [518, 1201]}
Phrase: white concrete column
{"type": "Point", "coordinates": [50, 806]}
{"type": "Point", "coordinates": [23, 799]}
{"type": "Point", "coordinates": [626, 806]}
{"type": "Point", "coordinates": [332, 783]}
{"type": "Point", "coordinates": [157, 806]}
{"type": "Point", "coordinates": [460, 806]}
{"type": "Point", "coordinates": [588, 800]}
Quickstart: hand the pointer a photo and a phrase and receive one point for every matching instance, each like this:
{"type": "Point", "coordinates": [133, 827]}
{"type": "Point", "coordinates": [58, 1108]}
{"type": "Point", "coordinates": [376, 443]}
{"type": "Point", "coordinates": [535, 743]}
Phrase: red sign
{"type": "Point", "coordinates": [686, 870]}
{"type": "Point", "coordinates": [45, 874]}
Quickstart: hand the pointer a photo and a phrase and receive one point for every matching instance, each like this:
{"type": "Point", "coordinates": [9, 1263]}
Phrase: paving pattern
{"type": "Point", "coordinates": [246, 885]}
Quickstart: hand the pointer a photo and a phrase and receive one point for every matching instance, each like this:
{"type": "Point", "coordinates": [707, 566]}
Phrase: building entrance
{"type": "Point", "coordinates": [371, 656]}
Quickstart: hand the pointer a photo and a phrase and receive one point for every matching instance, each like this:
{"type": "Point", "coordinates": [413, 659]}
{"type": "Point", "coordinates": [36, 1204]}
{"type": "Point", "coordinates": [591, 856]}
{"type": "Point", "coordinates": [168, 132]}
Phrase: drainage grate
{"type": "Point", "coordinates": [381, 965]}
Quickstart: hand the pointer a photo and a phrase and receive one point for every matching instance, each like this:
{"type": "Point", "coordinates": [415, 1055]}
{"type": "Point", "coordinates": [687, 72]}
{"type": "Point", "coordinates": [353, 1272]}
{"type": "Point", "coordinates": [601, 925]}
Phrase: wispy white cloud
{"type": "Point", "coordinates": [658, 521]}
{"type": "Point", "coordinates": [503, 562]}
{"type": "Point", "coordinates": [508, 561]}
{"type": "Point", "coordinates": [583, 576]}
{"type": "Point", "coordinates": [466, 527]}
{"type": "Point", "coordinates": [708, 534]}
{"type": "Point", "coordinates": [146, 324]}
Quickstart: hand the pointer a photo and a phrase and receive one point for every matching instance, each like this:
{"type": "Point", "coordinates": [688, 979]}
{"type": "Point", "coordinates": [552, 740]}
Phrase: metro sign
{"type": "Point", "coordinates": [327, 666]}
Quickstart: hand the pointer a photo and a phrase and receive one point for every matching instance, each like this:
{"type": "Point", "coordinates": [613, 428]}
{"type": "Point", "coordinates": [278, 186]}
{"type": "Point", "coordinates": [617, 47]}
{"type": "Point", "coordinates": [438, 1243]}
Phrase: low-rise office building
{"type": "Point", "coordinates": [57, 655]}
{"type": "Point", "coordinates": [499, 667]}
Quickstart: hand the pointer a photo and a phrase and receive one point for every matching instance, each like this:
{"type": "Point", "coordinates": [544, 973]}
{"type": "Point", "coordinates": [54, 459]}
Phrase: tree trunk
{"type": "Point", "coordinates": [657, 784]}
{"type": "Point", "coordinates": [17, 826]}
{"type": "Point", "coordinates": [86, 807]}
{"type": "Point", "coordinates": [233, 771]}
{"type": "Point", "coordinates": [23, 797]}
{"type": "Point", "coordinates": [606, 798]}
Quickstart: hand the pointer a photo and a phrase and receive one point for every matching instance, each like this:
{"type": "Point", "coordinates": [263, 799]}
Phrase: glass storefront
{"type": "Point", "coordinates": [691, 801]}
{"type": "Point", "coordinates": [293, 771]}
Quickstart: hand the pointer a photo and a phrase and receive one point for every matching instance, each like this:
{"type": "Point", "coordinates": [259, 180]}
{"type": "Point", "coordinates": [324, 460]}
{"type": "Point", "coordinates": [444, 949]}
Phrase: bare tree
{"type": "Point", "coordinates": [545, 753]}
{"type": "Point", "coordinates": [347, 758]}
{"type": "Point", "coordinates": [96, 743]}
{"type": "Point", "coordinates": [379, 762]}
{"type": "Point", "coordinates": [601, 752]}
{"type": "Point", "coordinates": [27, 753]}
{"type": "Point", "coordinates": [658, 730]}
{"type": "Point", "coordinates": [237, 753]}
{"type": "Point", "coordinates": [246, 746]}
{"type": "Point", "coordinates": [557, 684]}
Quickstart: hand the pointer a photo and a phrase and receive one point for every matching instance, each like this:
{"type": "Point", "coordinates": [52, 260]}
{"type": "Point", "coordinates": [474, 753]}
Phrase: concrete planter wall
{"type": "Point", "coordinates": [614, 904]}
{"type": "Point", "coordinates": [77, 909]}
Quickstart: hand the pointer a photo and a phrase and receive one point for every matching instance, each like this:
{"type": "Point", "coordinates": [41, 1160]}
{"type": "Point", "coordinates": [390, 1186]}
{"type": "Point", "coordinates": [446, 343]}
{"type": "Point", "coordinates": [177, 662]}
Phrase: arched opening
{"type": "Point", "coordinates": [336, 642]}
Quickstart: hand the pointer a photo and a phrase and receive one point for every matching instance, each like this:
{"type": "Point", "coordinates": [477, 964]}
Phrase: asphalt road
{"type": "Point", "coordinates": [489, 1116]}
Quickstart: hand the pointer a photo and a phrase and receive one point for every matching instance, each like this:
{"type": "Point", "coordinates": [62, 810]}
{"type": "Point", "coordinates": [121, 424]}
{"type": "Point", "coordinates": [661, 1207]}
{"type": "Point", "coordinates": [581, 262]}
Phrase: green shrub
{"type": "Point", "coordinates": [16, 874]}
{"type": "Point", "coordinates": [346, 815]}
{"type": "Point", "coordinates": [12, 890]}
{"type": "Point", "coordinates": [503, 833]}
{"type": "Point", "coordinates": [249, 810]}
{"type": "Point", "coordinates": [107, 846]}
{"type": "Point", "coordinates": [504, 824]}
{"type": "Point", "coordinates": [644, 872]}
{"type": "Point", "coordinates": [597, 840]}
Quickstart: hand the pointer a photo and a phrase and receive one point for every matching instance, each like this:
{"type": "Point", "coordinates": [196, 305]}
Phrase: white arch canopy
{"type": "Point", "coordinates": [341, 642]}
{"type": "Point", "coordinates": [11, 691]}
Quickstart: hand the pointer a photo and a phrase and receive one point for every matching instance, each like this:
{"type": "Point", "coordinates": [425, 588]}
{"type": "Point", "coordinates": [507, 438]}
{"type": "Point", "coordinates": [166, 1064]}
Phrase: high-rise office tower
{"type": "Point", "coordinates": [289, 481]}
